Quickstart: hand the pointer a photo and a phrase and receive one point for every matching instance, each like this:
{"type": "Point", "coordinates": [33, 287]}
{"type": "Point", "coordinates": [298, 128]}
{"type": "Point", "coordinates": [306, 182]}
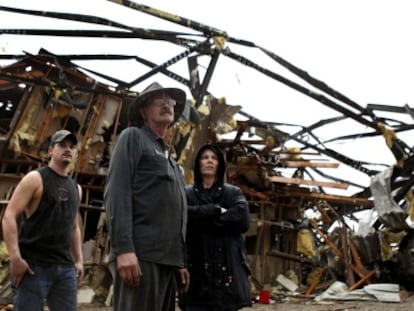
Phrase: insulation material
{"type": "Point", "coordinates": [410, 201]}
{"type": "Point", "coordinates": [389, 242]}
{"type": "Point", "coordinates": [306, 243]}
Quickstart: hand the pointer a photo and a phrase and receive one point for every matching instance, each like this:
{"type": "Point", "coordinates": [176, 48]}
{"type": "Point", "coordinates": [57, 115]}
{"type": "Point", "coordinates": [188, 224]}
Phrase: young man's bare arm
{"type": "Point", "coordinates": [77, 243]}
{"type": "Point", "coordinates": [25, 198]}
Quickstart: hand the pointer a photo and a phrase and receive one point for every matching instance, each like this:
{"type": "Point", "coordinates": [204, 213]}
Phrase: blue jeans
{"type": "Point", "coordinates": [57, 285]}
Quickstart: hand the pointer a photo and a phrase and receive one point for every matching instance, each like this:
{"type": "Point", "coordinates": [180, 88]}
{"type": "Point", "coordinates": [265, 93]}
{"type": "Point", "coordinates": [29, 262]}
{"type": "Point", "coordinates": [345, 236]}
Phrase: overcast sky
{"type": "Point", "coordinates": [362, 48]}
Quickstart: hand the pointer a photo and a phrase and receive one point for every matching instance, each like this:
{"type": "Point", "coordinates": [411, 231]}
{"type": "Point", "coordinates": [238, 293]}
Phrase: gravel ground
{"type": "Point", "coordinates": [294, 304]}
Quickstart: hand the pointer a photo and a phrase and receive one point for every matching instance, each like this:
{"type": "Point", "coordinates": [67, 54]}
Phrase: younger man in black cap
{"type": "Point", "coordinates": [46, 253]}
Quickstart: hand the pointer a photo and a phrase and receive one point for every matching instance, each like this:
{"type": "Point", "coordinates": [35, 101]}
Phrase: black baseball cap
{"type": "Point", "coordinates": [62, 135]}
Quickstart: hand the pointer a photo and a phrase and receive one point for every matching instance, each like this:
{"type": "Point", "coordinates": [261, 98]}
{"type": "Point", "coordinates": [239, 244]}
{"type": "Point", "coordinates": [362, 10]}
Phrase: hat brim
{"type": "Point", "coordinates": [64, 136]}
{"type": "Point", "coordinates": [72, 138]}
{"type": "Point", "coordinates": [178, 95]}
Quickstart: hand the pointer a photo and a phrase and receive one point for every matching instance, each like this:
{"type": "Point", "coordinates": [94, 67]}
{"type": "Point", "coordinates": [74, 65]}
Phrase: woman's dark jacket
{"type": "Point", "coordinates": [217, 261]}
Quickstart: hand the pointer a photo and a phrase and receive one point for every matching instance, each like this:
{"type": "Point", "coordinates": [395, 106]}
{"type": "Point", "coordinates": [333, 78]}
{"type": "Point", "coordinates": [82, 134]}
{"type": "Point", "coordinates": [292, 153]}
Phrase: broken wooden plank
{"type": "Point", "coordinates": [315, 282]}
{"type": "Point", "coordinates": [299, 181]}
{"type": "Point", "coordinates": [363, 280]}
{"type": "Point", "coordinates": [331, 244]}
{"type": "Point", "coordinates": [253, 193]}
{"type": "Point", "coordinates": [304, 163]}
{"type": "Point", "coordinates": [349, 272]}
{"type": "Point", "coordinates": [289, 191]}
{"type": "Point", "coordinates": [292, 257]}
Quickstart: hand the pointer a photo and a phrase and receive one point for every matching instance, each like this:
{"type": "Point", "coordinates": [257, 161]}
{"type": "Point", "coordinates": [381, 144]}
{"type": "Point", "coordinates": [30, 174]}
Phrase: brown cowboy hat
{"type": "Point", "coordinates": [154, 88]}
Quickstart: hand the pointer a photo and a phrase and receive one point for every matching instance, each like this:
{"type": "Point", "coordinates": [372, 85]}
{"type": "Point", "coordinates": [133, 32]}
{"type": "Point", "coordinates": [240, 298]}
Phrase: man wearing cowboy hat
{"type": "Point", "coordinates": [146, 206]}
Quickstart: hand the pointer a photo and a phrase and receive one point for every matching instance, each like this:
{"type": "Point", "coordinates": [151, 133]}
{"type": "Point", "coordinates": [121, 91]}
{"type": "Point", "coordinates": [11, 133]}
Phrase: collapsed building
{"type": "Point", "coordinates": [298, 229]}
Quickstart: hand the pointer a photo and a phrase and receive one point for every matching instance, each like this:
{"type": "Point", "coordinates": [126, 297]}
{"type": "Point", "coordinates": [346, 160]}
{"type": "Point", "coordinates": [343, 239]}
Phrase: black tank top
{"type": "Point", "coordinates": [45, 237]}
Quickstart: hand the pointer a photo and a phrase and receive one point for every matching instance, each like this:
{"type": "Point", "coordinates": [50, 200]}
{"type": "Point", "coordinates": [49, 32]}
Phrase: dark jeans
{"type": "Point", "coordinates": [57, 285]}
